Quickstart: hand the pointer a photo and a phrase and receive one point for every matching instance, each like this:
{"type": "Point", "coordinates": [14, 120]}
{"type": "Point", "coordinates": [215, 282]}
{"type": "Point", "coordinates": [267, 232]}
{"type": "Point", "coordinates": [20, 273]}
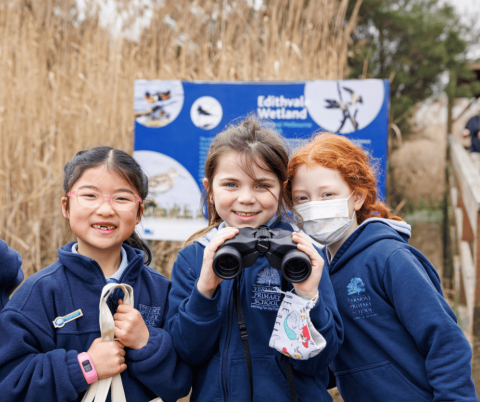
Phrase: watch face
{"type": "Point", "coordinates": [86, 366]}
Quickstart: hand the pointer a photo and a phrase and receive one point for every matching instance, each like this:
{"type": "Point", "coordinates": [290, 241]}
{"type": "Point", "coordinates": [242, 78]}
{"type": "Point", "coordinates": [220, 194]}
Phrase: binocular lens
{"type": "Point", "coordinates": [227, 263]}
{"type": "Point", "coordinates": [296, 266]}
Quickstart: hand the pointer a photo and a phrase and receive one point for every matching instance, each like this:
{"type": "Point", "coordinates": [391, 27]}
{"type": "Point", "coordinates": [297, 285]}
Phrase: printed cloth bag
{"type": "Point", "coordinates": [294, 334]}
{"type": "Point", "coordinates": [98, 391]}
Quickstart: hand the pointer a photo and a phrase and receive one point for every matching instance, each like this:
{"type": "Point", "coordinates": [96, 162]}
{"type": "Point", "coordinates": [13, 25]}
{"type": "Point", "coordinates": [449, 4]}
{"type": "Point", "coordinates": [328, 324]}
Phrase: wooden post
{"type": "Point", "coordinates": [467, 224]}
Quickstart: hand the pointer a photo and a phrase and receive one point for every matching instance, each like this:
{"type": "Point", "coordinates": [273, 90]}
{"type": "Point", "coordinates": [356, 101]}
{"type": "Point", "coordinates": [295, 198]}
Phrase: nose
{"type": "Point", "coordinates": [246, 196]}
{"type": "Point", "coordinates": [105, 207]}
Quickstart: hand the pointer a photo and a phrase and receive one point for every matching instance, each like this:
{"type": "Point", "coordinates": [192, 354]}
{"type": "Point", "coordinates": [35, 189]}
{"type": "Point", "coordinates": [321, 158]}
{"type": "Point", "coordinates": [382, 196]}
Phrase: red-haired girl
{"type": "Point", "coordinates": [402, 342]}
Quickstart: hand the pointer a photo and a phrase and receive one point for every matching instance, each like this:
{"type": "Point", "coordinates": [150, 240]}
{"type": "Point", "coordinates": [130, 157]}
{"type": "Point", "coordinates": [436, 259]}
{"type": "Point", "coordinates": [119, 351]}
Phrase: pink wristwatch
{"type": "Point", "coordinates": [87, 367]}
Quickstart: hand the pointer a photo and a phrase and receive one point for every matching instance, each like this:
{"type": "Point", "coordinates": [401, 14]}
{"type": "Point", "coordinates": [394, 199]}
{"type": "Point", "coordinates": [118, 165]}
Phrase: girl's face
{"type": "Point", "coordinates": [239, 200]}
{"type": "Point", "coordinates": [101, 228]}
{"type": "Point", "coordinates": [321, 184]}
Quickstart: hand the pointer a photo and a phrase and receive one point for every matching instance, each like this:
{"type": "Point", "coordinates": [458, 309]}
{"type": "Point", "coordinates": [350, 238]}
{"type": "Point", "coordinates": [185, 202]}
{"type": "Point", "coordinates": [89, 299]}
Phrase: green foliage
{"type": "Point", "coordinates": [410, 42]}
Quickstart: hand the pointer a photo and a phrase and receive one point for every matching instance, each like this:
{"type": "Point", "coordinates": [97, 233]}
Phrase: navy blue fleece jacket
{"type": "Point", "coordinates": [206, 335]}
{"type": "Point", "coordinates": [39, 361]}
{"type": "Point", "coordinates": [402, 342]}
{"type": "Point", "coordinates": [11, 274]}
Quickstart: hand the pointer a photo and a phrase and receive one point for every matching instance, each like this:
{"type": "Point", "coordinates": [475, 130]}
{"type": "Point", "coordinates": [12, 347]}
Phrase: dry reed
{"type": "Point", "coordinates": [67, 85]}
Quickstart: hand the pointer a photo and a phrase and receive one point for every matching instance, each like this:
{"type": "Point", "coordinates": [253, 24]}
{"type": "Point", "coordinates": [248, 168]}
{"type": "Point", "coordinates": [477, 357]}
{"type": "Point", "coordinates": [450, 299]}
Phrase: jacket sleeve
{"type": "Point", "coordinates": [193, 320]}
{"type": "Point", "coordinates": [158, 367]}
{"type": "Point", "coordinates": [26, 372]}
{"type": "Point", "coordinates": [426, 315]}
{"type": "Point", "coordinates": [326, 320]}
{"type": "Point", "coordinates": [11, 274]}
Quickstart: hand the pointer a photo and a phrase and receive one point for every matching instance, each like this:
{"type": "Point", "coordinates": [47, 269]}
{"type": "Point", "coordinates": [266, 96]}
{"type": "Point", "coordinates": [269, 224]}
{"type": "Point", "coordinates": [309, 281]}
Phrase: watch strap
{"type": "Point", "coordinates": [87, 367]}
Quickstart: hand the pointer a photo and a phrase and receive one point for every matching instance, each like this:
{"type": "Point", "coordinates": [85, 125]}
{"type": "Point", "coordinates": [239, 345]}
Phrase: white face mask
{"type": "Point", "coordinates": [326, 221]}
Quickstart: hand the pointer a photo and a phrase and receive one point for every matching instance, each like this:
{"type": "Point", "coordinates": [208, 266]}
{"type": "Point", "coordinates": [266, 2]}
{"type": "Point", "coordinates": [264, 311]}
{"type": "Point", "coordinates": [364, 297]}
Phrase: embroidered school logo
{"type": "Point", "coordinates": [356, 285]}
{"type": "Point", "coordinates": [265, 296]}
{"type": "Point", "coordinates": [59, 322]}
{"type": "Point", "coordinates": [151, 315]}
{"type": "Point", "coordinates": [360, 305]}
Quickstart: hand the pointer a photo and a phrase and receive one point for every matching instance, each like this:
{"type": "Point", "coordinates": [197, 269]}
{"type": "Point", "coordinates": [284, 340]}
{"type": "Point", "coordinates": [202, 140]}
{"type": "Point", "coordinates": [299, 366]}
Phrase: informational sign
{"type": "Point", "coordinates": [176, 121]}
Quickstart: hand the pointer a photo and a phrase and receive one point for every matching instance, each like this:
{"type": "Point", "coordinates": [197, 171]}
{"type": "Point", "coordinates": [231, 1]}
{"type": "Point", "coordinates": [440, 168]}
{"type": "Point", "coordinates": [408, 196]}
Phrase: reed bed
{"type": "Point", "coordinates": [67, 84]}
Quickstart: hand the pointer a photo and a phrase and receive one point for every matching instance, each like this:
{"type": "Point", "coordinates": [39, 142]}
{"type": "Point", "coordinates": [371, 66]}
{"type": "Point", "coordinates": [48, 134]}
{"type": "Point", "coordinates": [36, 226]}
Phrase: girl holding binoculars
{"type": "Point", "coordinates": [245, 171]}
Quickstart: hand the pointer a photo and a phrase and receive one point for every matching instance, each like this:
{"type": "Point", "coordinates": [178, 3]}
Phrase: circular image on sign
{"type": "Point", "coordinates": [172, 190]}
{"type": "Point", "coordinates": [344, 106]}
{"type": "Point", "coordinates": [206, 112]}
{"type": "Point", "coordinates": [156, 102]}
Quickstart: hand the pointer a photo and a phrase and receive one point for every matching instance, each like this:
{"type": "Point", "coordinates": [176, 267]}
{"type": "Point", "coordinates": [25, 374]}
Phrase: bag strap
{"type": "Point", "coordinates": [242, 326]}
{"type": "Point", "coordinates": [288, 365]}
{"type": "Point", "coordinates": [98, 391]}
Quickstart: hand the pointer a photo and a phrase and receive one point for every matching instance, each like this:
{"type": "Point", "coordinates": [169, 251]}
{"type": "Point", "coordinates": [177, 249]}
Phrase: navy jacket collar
{"type": "Point", "coordinates": [88, 270]}
{"type": "Point", "coordinates": [368, 233]}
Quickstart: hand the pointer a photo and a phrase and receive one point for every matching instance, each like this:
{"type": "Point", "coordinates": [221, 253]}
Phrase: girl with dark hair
{"type": "Point", "coordinates": [402, 342]}
{"type": "Point", "coordinates": [208, 317]}
{"type": "Point", "coordinates": [50, 345]}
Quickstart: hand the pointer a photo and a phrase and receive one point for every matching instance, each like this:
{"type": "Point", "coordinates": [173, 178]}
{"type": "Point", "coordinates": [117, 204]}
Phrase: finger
{"type": "Point", "coordinates": [301, 237]}
{"type": "Point", "coordinates": [120, 301]}
{"type": "Point", "coordinates": [124, 308]}
{"type": "Point", "coordinates": [123, 367]}
{"type": "Point", "coordinates": [120, 316]}
{"type": "Point", "coordinates": [122, 352]}
{"type": "Point", "coordinates": [120, 344]}
{"type": "Point", "coordinates": [311, 253]}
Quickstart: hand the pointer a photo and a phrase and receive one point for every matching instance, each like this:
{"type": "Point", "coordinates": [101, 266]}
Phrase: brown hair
{"type": "Point", "coordinates": [259, 145]}
{"type": "Point", "coordinates": [338, 153]}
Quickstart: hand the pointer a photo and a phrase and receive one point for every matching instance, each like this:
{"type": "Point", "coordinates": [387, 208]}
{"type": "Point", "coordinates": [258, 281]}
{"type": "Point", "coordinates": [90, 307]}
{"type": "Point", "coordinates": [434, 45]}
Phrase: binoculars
{"type": "Point", "coordinates": [243, 250]}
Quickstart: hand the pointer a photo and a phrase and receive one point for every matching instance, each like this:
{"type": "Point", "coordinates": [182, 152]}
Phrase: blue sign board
{"type": "Point", "coordinates": [175, 122]}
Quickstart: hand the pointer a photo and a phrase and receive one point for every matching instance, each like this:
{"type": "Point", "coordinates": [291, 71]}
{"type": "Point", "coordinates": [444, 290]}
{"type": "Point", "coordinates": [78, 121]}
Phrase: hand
{"type": "Point", "coordinates": [465, 132]}
{"type": "Point", "coordinates": [208, 281]}
{"type": "Point", "coordinates": [107, 357]}
{"type": "Point", "coordinates": [130, 328]}
{"type": "Point", "coordinates": [308, 289]}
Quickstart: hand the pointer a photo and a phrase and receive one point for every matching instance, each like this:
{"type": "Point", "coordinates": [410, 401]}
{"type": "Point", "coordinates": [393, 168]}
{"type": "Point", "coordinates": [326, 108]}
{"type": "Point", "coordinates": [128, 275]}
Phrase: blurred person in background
{"type": "Point", "coordinates": [472, 129]}
{"type": "Point", "coordinates": [11, 274]}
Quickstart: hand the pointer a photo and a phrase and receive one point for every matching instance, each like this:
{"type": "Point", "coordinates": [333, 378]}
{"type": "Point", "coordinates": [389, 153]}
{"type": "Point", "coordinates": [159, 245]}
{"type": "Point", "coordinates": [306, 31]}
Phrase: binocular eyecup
{"type": "Point", "coordinates": [227, 263]}
{"type": "Point", "coordinates": [243, 250]}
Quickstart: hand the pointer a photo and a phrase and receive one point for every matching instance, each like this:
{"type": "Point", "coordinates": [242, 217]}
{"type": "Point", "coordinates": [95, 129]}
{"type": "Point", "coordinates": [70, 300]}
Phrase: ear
{"type": "Point", "coordinates": [139, 214]}
{"type": "Point", "coordinates": [65, 212]}
{"type": "Point", "coordinates": [360, 197]}
{"type": "Point", "coordinates": [205, 183]}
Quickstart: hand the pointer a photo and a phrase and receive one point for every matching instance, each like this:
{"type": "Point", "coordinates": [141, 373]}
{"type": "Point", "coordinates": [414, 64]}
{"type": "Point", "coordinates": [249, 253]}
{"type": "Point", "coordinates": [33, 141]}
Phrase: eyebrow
{"type": "Point", "coordinates": [118, 190]}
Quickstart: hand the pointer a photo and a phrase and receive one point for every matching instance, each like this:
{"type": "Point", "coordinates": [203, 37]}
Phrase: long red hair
{"type": "Point", "coordinates": [338, 153]}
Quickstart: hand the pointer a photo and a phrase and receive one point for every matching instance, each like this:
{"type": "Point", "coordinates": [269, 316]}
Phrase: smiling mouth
{"type": "Point", "coordinates": [246, 213]}
{"type": "Point", "coordinates": [102, 227]}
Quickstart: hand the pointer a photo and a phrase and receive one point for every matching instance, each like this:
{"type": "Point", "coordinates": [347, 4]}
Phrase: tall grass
{"type": "Point", "coordinates": [66, 84]}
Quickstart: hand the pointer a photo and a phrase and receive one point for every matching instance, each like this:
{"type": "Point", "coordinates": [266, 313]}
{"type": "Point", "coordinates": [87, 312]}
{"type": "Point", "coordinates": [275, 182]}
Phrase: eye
{"type": "Point", "coordinates": [230, 185]}
{"type": "Point", "coordinates": [301, 199]}
{"type": "Point", "coordinates": [327, 195]}
{"type": "Point", "coordinates": [123, 198]}
{"type": "Point", "coordinates": [88, 196]}
{"type": "Point", "coordinates": [263, 185]}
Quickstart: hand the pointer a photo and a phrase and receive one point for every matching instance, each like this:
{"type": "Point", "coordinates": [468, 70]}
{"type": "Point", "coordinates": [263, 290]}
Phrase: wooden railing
{"type": "Point", "coordinates": [464, 204]}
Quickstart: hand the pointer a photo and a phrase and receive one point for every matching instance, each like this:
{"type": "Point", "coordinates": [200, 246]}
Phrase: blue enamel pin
{"type": "Point", "coordinates": [59, 322]}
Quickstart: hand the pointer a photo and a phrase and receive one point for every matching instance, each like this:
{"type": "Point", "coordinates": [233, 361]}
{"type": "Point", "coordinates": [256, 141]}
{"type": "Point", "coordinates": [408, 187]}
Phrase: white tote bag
{"type": "Point", "coordinates": [98, 391]}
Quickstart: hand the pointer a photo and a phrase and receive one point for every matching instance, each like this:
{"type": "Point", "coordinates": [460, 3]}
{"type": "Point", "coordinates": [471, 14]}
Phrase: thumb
{"type": "Point", "coordinates": [120, 301]}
